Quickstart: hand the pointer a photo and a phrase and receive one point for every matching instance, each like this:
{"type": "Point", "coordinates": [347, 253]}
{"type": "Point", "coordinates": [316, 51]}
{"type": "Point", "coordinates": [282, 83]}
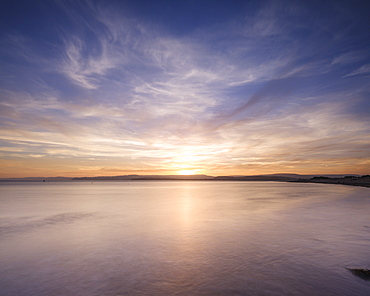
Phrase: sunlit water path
{"type": "Point", "coordinates": [183, 238]}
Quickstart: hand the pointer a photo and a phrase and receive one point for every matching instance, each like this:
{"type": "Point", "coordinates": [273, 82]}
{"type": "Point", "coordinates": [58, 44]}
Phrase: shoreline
{"type": "Point", "coordinates": [349, 181]}
{"type": "Point", "coordinates": [340, 181]}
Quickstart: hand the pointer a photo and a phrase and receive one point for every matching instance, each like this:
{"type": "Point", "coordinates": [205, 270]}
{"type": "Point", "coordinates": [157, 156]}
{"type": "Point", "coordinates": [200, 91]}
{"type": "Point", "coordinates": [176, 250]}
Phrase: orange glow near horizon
{"type": "Point", "coordinates": [69, 169]}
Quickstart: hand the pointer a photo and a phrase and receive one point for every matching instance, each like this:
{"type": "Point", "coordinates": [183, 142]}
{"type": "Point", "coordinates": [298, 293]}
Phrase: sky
{"type": "Point", "coordinates": [216, 87]}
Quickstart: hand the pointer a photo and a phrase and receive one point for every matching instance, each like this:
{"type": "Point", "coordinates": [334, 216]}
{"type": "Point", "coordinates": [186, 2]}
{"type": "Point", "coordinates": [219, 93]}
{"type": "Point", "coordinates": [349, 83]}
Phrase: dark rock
{"type": "Point", "coordinates": [361, 273]}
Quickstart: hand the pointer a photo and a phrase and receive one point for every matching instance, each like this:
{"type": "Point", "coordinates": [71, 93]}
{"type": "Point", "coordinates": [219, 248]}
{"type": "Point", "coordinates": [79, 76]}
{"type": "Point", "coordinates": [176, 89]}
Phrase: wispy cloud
{"type": "Point", "coordinates": [364, 69]}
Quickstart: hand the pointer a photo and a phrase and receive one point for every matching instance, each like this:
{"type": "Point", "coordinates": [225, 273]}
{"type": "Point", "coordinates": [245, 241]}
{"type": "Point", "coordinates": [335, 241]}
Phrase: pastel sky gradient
{"type": "Point", "coordinates": [93, 88]}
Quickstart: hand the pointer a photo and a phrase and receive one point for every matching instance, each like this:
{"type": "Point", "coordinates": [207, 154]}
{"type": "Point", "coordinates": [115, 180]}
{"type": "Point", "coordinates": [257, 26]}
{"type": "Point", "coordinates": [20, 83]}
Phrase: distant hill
{"type": "Point", "coordinates": [145, 177]}
{"type": "Point", "coordinates": [269, 177]}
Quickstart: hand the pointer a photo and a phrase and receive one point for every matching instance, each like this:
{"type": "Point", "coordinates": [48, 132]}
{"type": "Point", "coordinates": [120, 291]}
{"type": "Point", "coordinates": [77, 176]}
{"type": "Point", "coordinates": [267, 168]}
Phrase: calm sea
{"type": "Point", "coordinates": [183, 238]}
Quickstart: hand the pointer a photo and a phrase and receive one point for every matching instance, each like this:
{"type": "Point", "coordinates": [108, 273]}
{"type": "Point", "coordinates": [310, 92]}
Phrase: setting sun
{"type": "Point", "coordinates": [186, 172]}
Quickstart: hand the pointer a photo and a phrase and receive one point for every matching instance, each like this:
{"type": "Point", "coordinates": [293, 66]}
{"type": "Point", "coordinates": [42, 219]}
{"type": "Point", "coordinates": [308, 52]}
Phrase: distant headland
{"type": "Point", "coordinates": [350, 179]}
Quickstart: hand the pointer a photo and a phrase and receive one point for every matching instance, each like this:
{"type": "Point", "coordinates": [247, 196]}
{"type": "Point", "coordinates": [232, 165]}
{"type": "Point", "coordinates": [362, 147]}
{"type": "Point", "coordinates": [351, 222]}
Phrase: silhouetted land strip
{"type": "Point", "coordinates": [363, 181]}
{"type": "Point", "coordinates": [352, 180]}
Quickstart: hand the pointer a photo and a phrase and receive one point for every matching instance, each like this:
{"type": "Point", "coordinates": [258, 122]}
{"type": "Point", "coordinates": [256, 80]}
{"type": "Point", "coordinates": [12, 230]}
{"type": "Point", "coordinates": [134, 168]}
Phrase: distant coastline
{"type": "Point", "coordinates": [352, 180]}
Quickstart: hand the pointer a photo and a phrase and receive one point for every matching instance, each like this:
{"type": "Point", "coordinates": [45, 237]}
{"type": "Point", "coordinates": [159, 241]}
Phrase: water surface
{"type": "Point", "coordinates": [183, 238]}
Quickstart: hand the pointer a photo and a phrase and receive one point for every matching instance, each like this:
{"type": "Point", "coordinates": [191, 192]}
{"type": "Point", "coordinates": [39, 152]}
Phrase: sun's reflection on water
{"type": "Point", "coordinates": [182, 238]}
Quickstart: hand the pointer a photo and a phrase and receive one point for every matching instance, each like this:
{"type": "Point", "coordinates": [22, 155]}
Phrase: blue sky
{"type": "Point", "coordinates": [184, 87]}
